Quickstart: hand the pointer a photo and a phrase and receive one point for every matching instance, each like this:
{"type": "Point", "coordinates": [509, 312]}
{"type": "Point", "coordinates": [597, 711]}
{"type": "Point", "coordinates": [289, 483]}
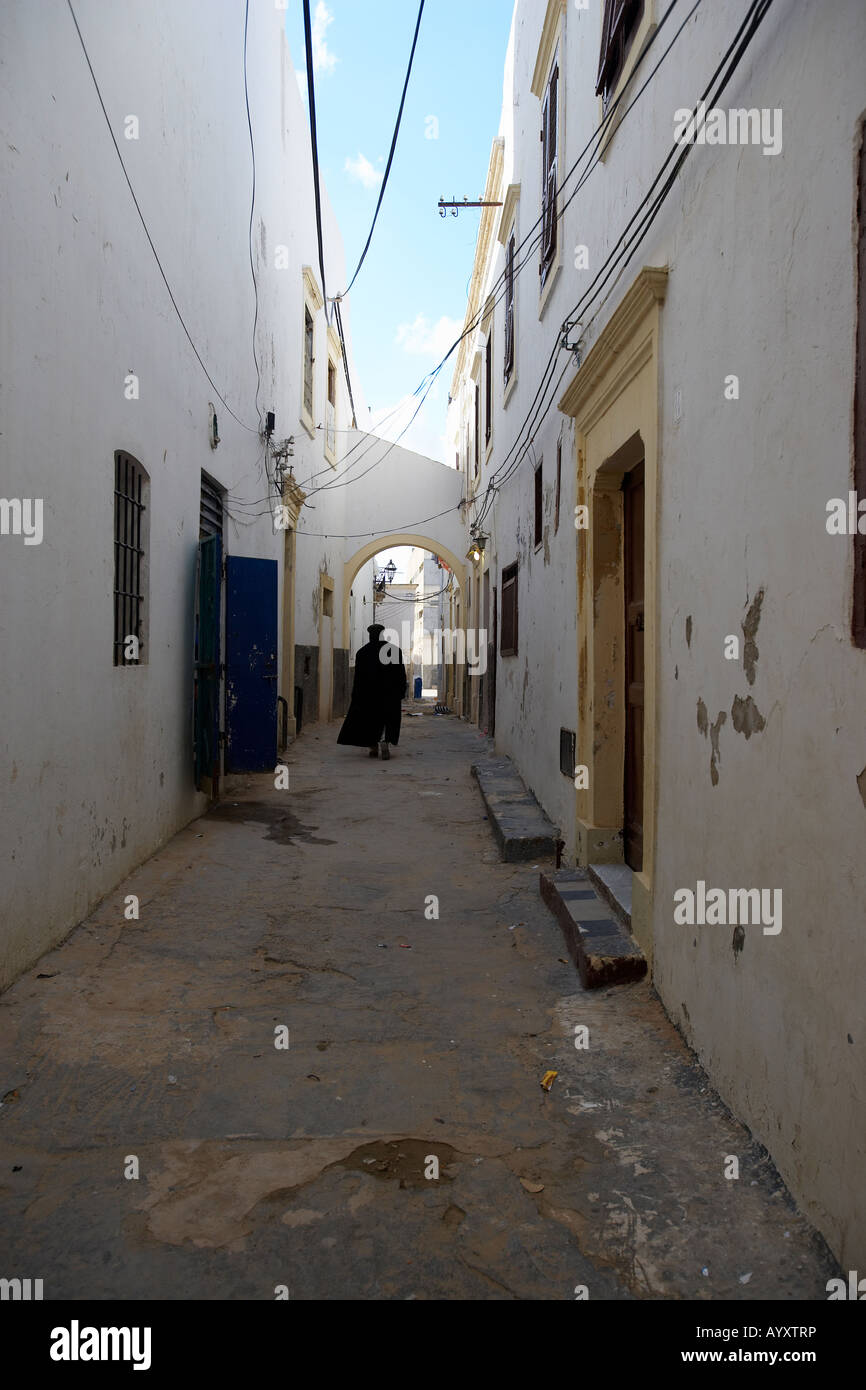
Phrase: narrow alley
{"type": "Point", "coordinates": [162, 1132]}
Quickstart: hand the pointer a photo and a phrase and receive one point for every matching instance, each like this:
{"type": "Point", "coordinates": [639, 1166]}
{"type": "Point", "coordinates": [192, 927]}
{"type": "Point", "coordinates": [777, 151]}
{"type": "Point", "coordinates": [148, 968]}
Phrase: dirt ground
{"type": "Point", "coordinates": [298, 916]}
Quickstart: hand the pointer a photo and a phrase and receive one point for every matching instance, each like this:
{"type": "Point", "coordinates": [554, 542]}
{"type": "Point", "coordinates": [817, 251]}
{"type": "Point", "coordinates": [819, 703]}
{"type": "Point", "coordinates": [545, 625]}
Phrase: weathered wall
{"type": "Point", "coordinates": [757, 760]}
{"type": "Point", "coordinates": [97, 760]}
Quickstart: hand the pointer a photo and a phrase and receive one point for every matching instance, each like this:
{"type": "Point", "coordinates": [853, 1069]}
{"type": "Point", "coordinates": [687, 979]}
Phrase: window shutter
{"type": "Point", "coordinates": [551, 162]}
{"type": "Point", "coordinates": [509, 308]}
{"type": "Point", "coordinates": [859, 612]}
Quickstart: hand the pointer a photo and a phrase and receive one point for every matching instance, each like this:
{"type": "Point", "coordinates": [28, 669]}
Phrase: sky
{"type": "Point", "coordinates": [409, 301]}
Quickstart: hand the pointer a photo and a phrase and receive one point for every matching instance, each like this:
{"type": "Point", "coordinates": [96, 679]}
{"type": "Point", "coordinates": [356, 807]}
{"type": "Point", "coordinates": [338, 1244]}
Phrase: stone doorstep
{"type": "Point", "coordinates": [613, 882]}
{"type": "Point", "coordinates": [599, 945]}
{"type": "Point", "coordinates": [520, 827]}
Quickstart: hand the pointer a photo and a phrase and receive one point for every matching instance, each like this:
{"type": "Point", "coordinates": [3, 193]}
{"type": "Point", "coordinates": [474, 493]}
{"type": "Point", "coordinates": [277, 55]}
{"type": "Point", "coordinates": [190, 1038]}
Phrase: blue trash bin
{"type": "Point", "coordinates": [418, 686]}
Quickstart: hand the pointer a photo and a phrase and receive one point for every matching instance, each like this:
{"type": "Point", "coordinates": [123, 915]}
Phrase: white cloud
{"type": "Point", "coordinates": [323, 59]}
{"type": "Point", "coordinates": [422, 436]}
{"type": "Point", "coordinates": [425, 339]}
{"type": "Point", "coordinates": [363, 171]}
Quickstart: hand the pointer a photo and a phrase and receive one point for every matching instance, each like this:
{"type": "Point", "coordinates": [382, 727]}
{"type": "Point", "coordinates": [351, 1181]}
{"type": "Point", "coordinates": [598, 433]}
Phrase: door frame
{"type": "Point", "coordinates": [613, 398]}
{"type": "Point", "coordinates": [632, 479]}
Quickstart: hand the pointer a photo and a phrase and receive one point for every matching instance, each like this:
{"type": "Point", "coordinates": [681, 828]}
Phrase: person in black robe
{"type": "Point", "coordinates": [379, 686]}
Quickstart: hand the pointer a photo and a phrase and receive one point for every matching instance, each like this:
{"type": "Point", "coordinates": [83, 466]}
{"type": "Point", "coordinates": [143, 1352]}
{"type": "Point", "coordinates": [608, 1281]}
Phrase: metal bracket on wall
{"type": "Point", "coordinates": [566, 345]}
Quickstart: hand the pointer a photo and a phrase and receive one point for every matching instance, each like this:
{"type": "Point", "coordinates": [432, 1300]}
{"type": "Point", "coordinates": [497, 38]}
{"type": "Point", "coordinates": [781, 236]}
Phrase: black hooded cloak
{"type": "Point", "coordinates": [380, 684]}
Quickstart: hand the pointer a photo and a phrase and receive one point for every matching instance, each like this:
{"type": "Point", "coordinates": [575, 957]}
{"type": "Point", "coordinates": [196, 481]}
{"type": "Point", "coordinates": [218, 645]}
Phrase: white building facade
{"type": "Point", "coordinates": [655, 412]}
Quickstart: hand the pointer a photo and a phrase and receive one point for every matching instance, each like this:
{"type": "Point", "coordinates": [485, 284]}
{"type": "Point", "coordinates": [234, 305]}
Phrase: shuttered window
{"type": "Point", "coordinates": [509, 309]}
{"type": "Point", "coordinates": [508, 625]}
{"type": "Point", "coordinates": [549, 171]}
{"type": "Point", "coordinates": [488, 387]}
{"type": "Point", "coordinates": [539, 504]}
{"type": "Point", "coordinates": [210, 516]}
{"type": "Point", "coordinates": [308, 361]}
{"type": "Point", "coordinates": [619, 26]}
{"type": "Point", "coordinates": [859, 615]}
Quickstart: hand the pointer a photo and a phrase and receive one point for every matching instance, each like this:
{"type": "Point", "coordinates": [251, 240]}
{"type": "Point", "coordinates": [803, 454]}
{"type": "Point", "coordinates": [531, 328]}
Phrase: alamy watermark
{"type": "Point", "coordinates": [444, 644]}
{"type": "Point", "coordinates": [22, 516]}
{"type": "Point", "coordinates": [737, 126]}
{"type": "Point", "coordinates": [719, 907]}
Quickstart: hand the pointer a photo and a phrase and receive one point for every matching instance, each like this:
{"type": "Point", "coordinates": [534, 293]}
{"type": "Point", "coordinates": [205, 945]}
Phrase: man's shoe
{"type": "Point", "coordinates": [386, 752]}
{"type": "Point", "coordinates": [374, 752]}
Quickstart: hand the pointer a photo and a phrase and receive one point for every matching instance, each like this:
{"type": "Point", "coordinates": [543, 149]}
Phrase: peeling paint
{"type": "Point", "coordinates": [715, 756]}
{"type": "Point", "coordinates": [689, 630]}
{"type": "Point", "coordinates": [750, 629]}
{"type": "Point", "coordinates": [703, 720]}
{"type": "Point", "coordinates": [739, 940]}
{"type": "Point", "coordinates": [861, 786]}
{"type": "Point", "coordinates": [746, 717]}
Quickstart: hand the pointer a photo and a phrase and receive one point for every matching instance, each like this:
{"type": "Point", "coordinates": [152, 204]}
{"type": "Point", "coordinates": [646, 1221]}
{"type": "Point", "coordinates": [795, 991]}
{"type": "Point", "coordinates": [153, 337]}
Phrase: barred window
{"type": "Point", "coordinates": [130, 560]}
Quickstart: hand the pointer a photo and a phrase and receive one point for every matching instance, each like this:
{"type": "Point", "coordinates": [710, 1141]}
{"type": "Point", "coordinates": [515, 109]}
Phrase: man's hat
{"type": "Point", "coordinates": [375, 628]}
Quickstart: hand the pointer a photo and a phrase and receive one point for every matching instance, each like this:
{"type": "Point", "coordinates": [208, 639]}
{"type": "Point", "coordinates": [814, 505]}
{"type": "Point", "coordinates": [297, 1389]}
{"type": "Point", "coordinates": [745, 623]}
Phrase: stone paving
{"type": "Point", "coordinates": [415, 1043]}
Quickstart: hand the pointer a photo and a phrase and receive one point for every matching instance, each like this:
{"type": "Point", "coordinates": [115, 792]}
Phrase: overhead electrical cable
{"type": "Point", "coordinates": [314, 144]}
{"type": "Point", "coordinates": [621, 254]}
{"type": "Point", "coordinates": [252, 210]}
{"type": "Point", "coordinates": [220, 397]}
{"type": "Point", "coordinates": [393, 146]}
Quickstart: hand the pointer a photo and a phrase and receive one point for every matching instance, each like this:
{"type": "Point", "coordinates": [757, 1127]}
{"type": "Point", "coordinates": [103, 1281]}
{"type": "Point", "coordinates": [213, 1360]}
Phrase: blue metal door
{"type": "Point", "coordinates": [251, 664]}
{"type": "Point", "coordinates": [206, 691]}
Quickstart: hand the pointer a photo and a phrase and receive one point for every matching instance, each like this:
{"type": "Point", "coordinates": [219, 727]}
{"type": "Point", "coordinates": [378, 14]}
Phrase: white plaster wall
{"type": "Point", "coordinates": [97, 760]}
{"type": "Point", "coordinates": [761, 251]}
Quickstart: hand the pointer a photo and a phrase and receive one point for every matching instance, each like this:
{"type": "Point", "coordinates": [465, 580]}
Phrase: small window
{"type": "Point", "coordinates": [331, 412]}
{"type": "Point", "coordinates": [508, 625]}
{"type": "Point", "coordinates": [509, 310]}
{"type": "Point", "coordinates": [308, 361]}
{"type": "Point", "coordinates": [539, 504]}
{"type": "Point", "coordinates": [211, 508]}
{"type": "Point", "coordinates": [549, 171]}
{"type": "Point", "coordinates": [558, 485]}
{"type": "Point", "coordinates": [130, 567]}
{"type": "Point", "coordinates": [859, 615]}
{"type": "Point", "coordinates": [488, 387]}
{"type": "Point", "coordinates": [567, 752]}
{"type": "Point", "coordinates": [619, 26]}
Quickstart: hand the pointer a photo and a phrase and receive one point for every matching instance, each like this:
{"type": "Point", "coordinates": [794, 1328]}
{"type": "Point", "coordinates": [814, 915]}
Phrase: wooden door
{"type": "Point", "coordinates": [633, 564]}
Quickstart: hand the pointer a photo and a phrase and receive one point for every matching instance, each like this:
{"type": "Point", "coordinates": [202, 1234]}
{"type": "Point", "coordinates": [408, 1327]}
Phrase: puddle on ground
{"type": "Point", "coordinates": [283, 827]}
{"type": "Point", "coordinates": [404, 1159]}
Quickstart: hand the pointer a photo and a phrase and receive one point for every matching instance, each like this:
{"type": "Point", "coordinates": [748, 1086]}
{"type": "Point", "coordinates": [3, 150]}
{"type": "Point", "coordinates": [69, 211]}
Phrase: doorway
{"type": "Point", "coordinates": [326, 649]}
{"type": "Point", "coordinates": [633, 762]}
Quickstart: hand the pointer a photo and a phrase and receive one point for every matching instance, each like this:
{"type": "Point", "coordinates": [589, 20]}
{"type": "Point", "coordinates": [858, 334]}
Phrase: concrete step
{"type": "Point", "coordinates": [519, 825]}
{"type": "Point", "coordinates": [613, 882]}
{"type": "Point", "coordinates": [599, 945]}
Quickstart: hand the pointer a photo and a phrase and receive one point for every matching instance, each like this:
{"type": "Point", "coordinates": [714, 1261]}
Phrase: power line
{"type": "Point", "coordinates": [596, 138]}
{"type": "Point", "coordinates": [339, 317]}
{"type": "Point", "coordinates": [252, 209]}
{"type": "Point", "coordinates": [393, 144]}
{"type": "Point", "coordinates": [618, 258]}
{"type": "Point", "coordinates": [311, 94]}
{"type": "Point", "coordinates": [220, 397]}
